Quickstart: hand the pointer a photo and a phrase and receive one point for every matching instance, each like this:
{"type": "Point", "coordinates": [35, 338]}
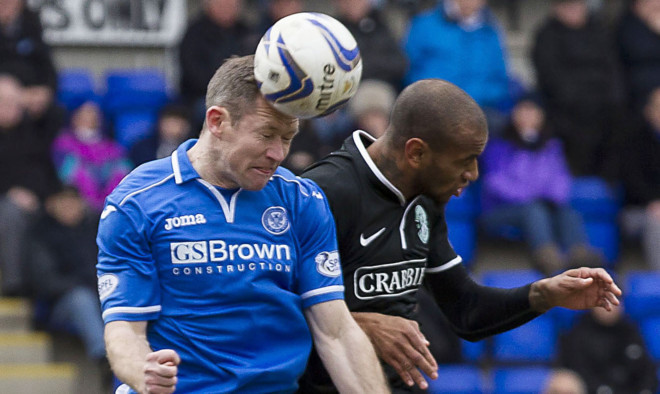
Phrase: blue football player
{"type": "Point", "coordinates": [217, 269]}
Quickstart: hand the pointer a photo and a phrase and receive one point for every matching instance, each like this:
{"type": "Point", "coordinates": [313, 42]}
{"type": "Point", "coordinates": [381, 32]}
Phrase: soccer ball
{"type": "Point", "coordinates": [307, 65]}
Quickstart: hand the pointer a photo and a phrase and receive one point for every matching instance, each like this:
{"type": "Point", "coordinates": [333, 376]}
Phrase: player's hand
{"type": "Point", "coordinates": [401, 344]}
{"type": "Point", "coordinates": [580, 288]}
{"type": "Point", "coordinates": [160, 372]}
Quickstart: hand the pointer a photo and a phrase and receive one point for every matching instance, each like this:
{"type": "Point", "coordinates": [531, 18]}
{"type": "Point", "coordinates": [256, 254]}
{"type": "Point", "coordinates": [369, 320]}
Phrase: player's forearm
{"type": "Point", "coordinates": [352, 363]}
{"type": "Point", "coordinates": [127, 348]}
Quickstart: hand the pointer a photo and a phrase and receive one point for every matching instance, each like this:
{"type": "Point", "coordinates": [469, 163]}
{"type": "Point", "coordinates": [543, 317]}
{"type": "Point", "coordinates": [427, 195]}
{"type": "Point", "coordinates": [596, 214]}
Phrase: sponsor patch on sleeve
{"type": "Point", "coordinates": [107, 283]}
{"type": "Point", "coordinates": [327, 263]}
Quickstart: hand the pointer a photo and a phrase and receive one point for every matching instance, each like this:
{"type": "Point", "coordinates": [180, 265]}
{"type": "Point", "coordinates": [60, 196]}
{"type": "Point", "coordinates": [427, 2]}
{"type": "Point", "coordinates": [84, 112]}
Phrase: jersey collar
{"type": "Point", "coordinates": [358, 137]}
{"type": "Point", "coordinates": [181, 165]}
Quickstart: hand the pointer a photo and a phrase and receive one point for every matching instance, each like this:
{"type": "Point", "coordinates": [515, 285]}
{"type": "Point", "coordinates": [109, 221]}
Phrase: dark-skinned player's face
{"type": "Point", "coordinates": [451, 169]}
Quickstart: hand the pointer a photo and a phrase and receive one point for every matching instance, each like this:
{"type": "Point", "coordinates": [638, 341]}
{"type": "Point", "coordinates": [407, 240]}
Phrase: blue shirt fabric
{"type": "Point", "coordinates": [472, 58]}
{"type": "Point", "coordinates": [221, 276]}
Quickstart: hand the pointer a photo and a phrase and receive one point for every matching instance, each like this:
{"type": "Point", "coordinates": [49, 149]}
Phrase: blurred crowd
{"type": "Point", "coordinates": [593, 112]}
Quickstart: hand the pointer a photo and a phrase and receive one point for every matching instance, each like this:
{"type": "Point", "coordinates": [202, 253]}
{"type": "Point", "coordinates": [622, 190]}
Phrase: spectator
{"type": "Point", "coordinates": [276, 10]}
{"type": "Point", "coordinates": [639, 45]}
{"type": "Point", "coordinates": [61, 268]}
{"type": "Point", "coordinates": [306, 148]}
{"type": "Point", "coordinates": [641, 216]}
{"type": "Point", "coordinates": [461, 41]}
{"type": "Point", "coordinates": [371, 106]}
{"type": "Point", "coordinates": [526, 184]}
{"type": "Point", "coordinates": [213, 36]}
{"type": "Point", "coordinates": [577, 71]}
{"type": "Point", "coordinates": [25, 55]}
{"type": "Point", "coordinates": [26, 175]}
{"type": "Point", "coordinates": [172, 128]}
{"type": "Point", "coordinates": [383, 57]}
{"type": "Point", "coordinates": [564, 381]}
{"type": "Point", "coordinates": [86, 158]}
{"type": "Point", "coordinates": [607, 350]}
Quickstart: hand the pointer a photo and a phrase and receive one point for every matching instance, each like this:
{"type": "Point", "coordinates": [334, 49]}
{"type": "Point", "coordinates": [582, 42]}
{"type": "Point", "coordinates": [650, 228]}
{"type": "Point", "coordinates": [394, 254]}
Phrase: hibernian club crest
{"type": "Point", "coordinates": [422, 223]}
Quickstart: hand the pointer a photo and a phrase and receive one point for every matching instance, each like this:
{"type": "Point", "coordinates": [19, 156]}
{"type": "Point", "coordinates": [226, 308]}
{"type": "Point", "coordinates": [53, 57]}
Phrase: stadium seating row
{"type": "Point", "coordinates": [535, 342]}
{"type": "Point", "coordinates": [597, 201]}
{"type": "Point", "coordinates": [130, 99]}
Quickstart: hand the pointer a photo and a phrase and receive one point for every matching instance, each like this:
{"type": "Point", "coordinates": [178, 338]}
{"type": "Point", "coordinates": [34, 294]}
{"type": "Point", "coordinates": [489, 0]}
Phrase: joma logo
{"type": "Point", "coordinates": [185, 220]}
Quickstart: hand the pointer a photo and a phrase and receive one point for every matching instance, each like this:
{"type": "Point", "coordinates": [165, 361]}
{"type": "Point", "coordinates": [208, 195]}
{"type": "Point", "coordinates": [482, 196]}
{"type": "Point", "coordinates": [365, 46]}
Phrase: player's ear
{"type": "Point", "coordinates": [416, 152]}
{"type": "Point", "coordinates": [217, 118]}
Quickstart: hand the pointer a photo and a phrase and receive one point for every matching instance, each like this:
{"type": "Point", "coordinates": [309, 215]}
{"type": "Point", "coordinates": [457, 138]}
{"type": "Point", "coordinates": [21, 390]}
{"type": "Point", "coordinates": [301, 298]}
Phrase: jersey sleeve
{"type": "Point", "coordinates": [127, 275]}
{"type": "Point", "coordinates": [441, 255]}
{"type": "Point", "coordinates": [320, 276]}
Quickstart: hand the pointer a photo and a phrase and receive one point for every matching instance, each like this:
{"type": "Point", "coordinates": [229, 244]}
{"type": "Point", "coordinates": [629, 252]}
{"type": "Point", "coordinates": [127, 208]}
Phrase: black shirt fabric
{"type": "Point", "coordinates": [386, 243]}
{"type": "Point", "coordinates": [389, 247]}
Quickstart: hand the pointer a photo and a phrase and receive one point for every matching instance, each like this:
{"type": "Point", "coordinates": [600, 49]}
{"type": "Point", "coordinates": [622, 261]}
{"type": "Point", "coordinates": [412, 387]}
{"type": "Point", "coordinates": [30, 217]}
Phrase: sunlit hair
{"type": "Point", "coordinates": [234, 87]}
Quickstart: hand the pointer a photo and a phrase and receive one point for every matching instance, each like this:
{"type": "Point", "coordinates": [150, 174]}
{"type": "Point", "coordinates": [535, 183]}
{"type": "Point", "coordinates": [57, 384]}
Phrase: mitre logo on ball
{"type": "Point", "coordinates": [308, 65]}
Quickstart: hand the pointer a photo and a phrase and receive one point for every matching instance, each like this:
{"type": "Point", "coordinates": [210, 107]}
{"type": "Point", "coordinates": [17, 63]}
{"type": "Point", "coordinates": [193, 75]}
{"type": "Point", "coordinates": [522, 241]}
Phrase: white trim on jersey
{"type": "Point", "coordinates": [137, 310]}
{"type": "Point", "coordinates": [302, 191]}
{"type": "Point", "coordinates": [404, 243]}
{"type": "Point", "coordinates": [175, 167]}
{"type": "Point", "coordinates": [322, 290]}
{"type": "Point", "coordinates": [144, 189]}
{"type": "Point", "coordinates": [365, 155]}
{"type": "Point", "coordinates": [228, 209]}
{"type": "Point", "coordinates": [455, 261]}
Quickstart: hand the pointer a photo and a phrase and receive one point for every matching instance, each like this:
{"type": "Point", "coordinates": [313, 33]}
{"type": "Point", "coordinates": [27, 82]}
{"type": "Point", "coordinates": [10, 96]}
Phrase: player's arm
{"type": "Point", "coordinates": [477, 311]}
{"type": "Point", "coordinates": [344, 349]}
{"type": "Point", "coordinates": [401, 344]}
{"type": "Point", "coordinates": [133, 361]}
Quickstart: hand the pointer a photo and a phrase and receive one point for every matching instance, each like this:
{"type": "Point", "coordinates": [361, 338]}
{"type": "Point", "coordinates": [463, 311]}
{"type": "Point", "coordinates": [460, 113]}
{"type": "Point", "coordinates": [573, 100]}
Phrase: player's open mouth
{"type": "Point", "coordinates": [458, 192]}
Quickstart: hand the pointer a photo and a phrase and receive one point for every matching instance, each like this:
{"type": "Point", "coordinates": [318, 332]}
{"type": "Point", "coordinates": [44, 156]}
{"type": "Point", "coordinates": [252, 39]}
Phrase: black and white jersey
{"type": "Point", "coordinates": [386, 244]}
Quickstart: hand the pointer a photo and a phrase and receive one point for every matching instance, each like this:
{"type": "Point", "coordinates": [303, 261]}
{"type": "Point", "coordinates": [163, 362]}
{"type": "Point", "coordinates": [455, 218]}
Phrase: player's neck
{"type": "Point", "coordinates": [390, 166]}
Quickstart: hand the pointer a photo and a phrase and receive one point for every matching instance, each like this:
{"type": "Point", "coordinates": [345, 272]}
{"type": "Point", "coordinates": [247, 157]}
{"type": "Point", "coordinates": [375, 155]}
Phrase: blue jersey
{"type": "Point", "coordinates": [222, 276]}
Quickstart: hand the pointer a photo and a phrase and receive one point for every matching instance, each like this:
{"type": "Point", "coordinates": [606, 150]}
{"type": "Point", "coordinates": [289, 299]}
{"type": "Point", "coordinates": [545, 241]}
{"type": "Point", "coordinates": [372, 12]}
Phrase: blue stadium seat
{"type": "Point", "coordinates": [599, 203]}
{"type": "Point", "coordinates": [461, 214]}
{"type": "Point", "coordinates": [520, 380]}
{"type": "Point", "coordinates": [74, 87]}
{"type": "Point", "coordinates": [650, 328]}
{"type": "Point", "coordinates": [134, 90]}
{"type": "Point", "coordinates": [458, 379]}
{"type": "Point", "coordinates": [474, 351]}
{"type": "Point", "coordinates": [642, 294]}
{"type": "Point", "coordinates": [507, 278]}
{"type": "Point", "coordinates": [534, 342]}
{"type": "Point", "coordinates": [131, 127]}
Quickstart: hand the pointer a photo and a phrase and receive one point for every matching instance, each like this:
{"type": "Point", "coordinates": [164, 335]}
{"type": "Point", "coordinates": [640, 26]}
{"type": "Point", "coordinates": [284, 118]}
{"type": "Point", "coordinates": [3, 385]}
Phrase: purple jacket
{"type": "Point", "coordinates": [95, 168]}
{"type": "Point", "coordinates": [513, 174]}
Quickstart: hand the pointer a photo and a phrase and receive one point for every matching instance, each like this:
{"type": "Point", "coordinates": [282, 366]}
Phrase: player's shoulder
{"type": "Point", "coordinates": [286, 182]}
{"type": "Point", "coordinates": [143, 179]}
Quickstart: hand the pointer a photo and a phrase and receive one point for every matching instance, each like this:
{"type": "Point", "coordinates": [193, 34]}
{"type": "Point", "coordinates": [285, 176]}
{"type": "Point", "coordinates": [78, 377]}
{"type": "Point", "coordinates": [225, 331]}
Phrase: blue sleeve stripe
{"type": "Point", "coordinates": [323, 290]}
{"type": "Point", "coordinates": [138, 310]}
{"type": "Point", "coordinates": [455, 261]}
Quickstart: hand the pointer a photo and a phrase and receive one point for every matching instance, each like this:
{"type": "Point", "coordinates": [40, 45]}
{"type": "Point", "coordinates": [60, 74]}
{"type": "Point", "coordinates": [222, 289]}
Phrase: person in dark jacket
{"type": "Point", "coordinates": [26, 176]}
{"type": "Point", "coordinates": [383, 56]}
{"type": "Point", "coordinates": [607, 350]}
{"type": "Point", "coordinates": [641, 179]}
{"type": "Point", "coordinates": [62, 267]}
{"type": "Point", "coordinates": [638, 35]}
{"type": "Point", "coordinates": [578, 72]}
{"type": "Point", "coordinates": [172, 128]}
{"type": "Point", "coordinates": [214, 35]}
{"type": "Point", "coordinates": [25, 55]}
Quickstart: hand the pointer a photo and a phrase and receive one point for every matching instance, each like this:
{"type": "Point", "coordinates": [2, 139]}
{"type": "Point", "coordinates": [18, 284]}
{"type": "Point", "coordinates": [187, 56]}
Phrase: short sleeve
{"type": "Point", "coordinates": [442, 255]}
{"type": "Point", "coordinates": [127, 275]}
{"type": "Point", "coordinates": [320, 276]}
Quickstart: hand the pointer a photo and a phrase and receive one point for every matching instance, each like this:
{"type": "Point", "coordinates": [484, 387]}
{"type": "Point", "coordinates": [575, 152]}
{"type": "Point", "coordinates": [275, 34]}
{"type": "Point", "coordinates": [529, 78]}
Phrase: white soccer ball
{"type": "Point", "coordinates": [307, 65]}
